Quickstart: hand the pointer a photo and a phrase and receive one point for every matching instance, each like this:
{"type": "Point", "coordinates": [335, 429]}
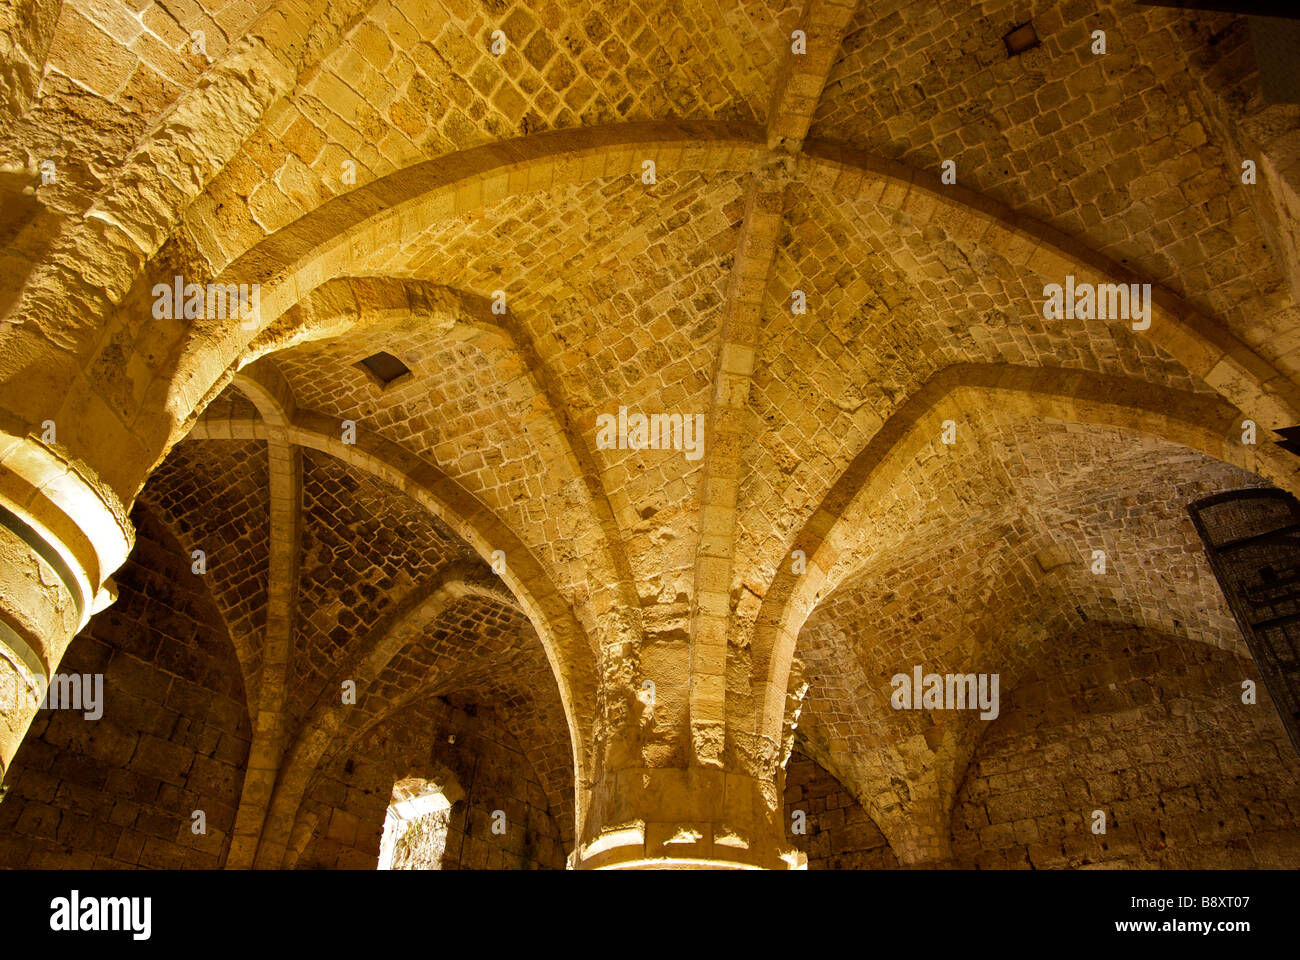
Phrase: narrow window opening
{"type": "Point", "coordinates": [384, 368]}
{"type": "Point", "coordinates": [1020, 39]}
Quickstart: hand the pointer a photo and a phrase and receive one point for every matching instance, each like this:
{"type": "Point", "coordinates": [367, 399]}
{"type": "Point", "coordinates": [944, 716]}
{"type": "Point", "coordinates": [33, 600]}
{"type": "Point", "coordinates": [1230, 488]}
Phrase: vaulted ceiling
{"type": "Point", "coordinates": [386, 177]}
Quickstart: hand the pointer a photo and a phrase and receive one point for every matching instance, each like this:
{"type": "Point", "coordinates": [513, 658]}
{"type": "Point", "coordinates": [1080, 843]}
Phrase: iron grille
{"type": "Point", "coordinates": [1252, 540]}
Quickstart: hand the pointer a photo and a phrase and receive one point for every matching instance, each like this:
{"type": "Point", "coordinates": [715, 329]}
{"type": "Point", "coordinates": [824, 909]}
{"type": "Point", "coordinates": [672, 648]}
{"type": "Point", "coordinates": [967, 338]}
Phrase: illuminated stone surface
{"type": "Point", "coordinates": [613, 652]}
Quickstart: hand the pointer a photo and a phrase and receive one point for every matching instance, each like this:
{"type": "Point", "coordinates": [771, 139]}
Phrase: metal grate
{"type": "Point", "coordinates": [1252, 541]}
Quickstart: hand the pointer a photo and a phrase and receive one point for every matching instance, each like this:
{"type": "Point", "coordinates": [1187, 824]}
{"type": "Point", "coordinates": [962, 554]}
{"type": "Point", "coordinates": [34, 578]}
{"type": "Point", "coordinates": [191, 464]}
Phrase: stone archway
{"type": "Point", "coordinates": [415, 827]}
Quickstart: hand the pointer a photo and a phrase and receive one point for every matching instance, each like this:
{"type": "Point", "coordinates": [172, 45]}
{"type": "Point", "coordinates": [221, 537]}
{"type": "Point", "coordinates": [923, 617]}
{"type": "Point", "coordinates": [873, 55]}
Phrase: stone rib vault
{"type": "Point", "coordinates": [386, 525]}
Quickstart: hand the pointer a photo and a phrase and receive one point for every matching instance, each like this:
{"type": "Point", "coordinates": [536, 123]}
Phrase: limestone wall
{"type": "Point", "coordinates": [1153, 732]}
{"type": "Point", "coordinates": [120, 791]}
{"type": "Point", "coordinates": [348, 801]}
{"type": "Point", "coordinates": [840, 835]}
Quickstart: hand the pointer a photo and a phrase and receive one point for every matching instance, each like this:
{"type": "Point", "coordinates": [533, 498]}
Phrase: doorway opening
{"type": "Point", "coordinates": [415, 827]}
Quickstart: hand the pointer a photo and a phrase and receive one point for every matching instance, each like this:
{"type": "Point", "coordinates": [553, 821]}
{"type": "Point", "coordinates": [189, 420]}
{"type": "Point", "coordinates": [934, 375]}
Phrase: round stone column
{"type": "Point", "coordinates": [693, 818]}
{"type": "Point", "coordinates": [62, 533]}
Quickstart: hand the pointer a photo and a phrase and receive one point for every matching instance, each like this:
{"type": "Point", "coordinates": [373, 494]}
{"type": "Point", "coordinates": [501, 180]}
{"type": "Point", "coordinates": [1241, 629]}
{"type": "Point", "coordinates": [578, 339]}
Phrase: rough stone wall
{"type": "Point", "coordinates": [840, 835]}
{"type": "Point", "coordinates": [214, 495]}
{"type": "Point", "coordinates": [1149, 729]}
{"type": "Point", "coordinates": [971, 575]}
{"type": "Point", "coordinates": [348, 800]}
{"type": "Point", "coordinates": [363, 544]}
{"type": "Point", "coordinates": [423, 843]}
{"type": "Point", "coordinates": [1252, 128]}
{"type": "Point", "coordinates": [120, 791]}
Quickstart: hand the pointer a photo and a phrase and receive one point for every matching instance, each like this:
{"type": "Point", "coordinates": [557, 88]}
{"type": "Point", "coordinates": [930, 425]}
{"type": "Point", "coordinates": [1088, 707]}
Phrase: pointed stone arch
{"type": "Point", "coordinates": [1199, 421]}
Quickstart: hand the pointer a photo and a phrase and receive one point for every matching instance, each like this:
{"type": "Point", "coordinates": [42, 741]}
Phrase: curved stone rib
{"type": "Point", "coordinates": [201, 130]}
{"type": "Point", "coordinates": [452, 584]}
{"type": "Point", "coordinates": [568, 648]}
{"type": "Point", "coordinates": [353, 303]}
{"type": "Point", "coordinates": [1205, 347]}
{"type": "Point", "coordinates": [795, 95]}
{"type": "Point", "coordinates": [802, 78]}
{"type": "Point", "coordinates": [267, 749]}
{"type": "Point", "coordinates": [1201, 422]}
{"type": "Point", "coordinates": [318, 247]}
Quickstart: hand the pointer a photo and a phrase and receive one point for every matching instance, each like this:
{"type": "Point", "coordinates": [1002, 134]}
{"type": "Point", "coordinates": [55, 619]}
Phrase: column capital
{"type": "Point", "coordinates": [62, 534]}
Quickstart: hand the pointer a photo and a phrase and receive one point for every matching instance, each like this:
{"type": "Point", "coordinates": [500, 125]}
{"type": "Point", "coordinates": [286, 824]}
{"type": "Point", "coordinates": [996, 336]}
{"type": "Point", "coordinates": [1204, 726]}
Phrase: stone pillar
{"type": "Point", "coordinates": [655, 801]}
{"type": "Point", "coordinates": [686, 818]}
{"type": "Point", "coordinates": [62, 533]}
